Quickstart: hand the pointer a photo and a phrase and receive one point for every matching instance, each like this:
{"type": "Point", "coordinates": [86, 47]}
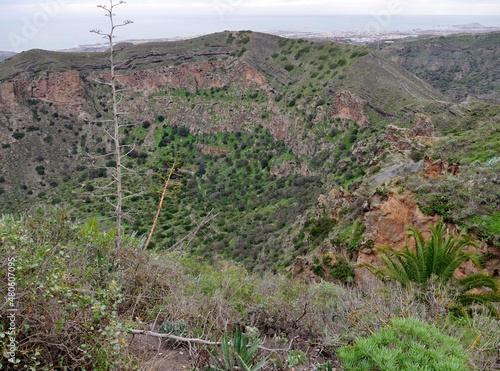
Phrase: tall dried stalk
{"type": "Point", "coordinates": [115, 135]}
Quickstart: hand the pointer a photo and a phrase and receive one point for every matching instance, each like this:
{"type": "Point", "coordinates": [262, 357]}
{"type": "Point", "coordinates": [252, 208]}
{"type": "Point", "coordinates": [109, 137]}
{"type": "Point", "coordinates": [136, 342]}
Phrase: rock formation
{"type": "Point", "coordinates": [347, 105]}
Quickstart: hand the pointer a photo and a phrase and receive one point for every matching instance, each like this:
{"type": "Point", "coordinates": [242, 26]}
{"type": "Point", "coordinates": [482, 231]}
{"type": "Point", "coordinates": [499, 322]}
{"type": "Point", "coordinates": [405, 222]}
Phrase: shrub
{"type": "Point", "coordinates": [230, 38]}
{"type": "Point", "coordinates": [40, 170]}
{"type": "Point", "coordinates": [408, 344]}
{"type": "Point", "coordinates": [183, 131]}
{"type": "Point", "coordinates": [289, 67]}
{"type": "Point", "coordinates": [18, 135]}
{"type": "Point", "coordinates": [296, 357]}
{"type": "Point", "coordinates": [342, 62]}
{"type": "Point", "coordinates": [342, 270]}
{"type": "Point", "coordinates": [382, 191]}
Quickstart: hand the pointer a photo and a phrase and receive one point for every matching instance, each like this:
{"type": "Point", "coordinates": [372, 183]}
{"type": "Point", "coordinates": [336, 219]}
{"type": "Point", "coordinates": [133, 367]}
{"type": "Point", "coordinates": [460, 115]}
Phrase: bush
{"type": "Point", "coordinates": [408, 344]}
{"type": "Point", "coordinates": [342, 270]}
{"type": "Point", "coordinates": [40, 170]}
{"type": "Point", "coordinates": [342, 62]}
{"type": "Point", "coordinates": [18, 135]}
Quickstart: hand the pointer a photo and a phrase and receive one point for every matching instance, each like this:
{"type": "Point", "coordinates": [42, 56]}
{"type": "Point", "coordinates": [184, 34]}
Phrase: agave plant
{"type": "Point", "coordinates": [439, 256]}
{"type": "Point", "coordinates": [239, 354]}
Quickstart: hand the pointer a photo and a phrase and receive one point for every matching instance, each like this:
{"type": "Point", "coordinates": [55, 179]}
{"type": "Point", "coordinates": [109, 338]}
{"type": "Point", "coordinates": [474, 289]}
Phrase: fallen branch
{"type": "Point", "coordinates": [175, 337]}
{"type": "Point", "coordinates": [199, 341]}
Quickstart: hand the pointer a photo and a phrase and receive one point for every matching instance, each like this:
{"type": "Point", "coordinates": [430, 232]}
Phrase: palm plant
{"type": "Point", "coordinates": [439, 257]}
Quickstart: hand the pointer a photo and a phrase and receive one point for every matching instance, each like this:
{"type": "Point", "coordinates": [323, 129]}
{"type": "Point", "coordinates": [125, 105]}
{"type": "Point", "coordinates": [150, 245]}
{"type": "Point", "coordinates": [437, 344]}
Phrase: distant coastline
{"type": "Point", "coordinates": [358, 29]}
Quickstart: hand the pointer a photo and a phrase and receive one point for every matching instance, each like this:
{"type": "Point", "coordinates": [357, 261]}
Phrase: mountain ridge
{"type": "Point", "coordinates": [284, 121]}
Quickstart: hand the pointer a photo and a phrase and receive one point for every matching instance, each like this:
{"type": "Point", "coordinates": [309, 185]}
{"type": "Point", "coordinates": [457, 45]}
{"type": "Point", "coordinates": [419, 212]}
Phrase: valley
{"type": "Point", "coordinates": [295, 159]}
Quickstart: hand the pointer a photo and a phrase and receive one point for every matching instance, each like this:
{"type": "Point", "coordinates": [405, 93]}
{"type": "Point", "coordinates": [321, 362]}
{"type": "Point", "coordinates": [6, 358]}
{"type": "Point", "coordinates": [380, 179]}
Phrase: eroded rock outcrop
{"type": "Point", "coordinates": [335, 203]}
{"type": "Point", "coordinates": [291, 167]}
{"type": "Point", "coordinates": [419, 136]}
{"type": "Point", "coordinates": [386, 220]}
{"type": "Point", "coordinates": [347, 105]}
{"type": "Point", "coordinates": [65, 89]}
{"type": "Point", "coordinates": [437, 168]}
{"type": "Point", "coordinates": [422, 126]}
{"type": "Point", "coordinates": [194, 76]}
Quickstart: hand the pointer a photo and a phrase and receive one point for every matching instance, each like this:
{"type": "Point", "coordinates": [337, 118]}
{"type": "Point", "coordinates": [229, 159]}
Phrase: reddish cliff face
{"type": "Point", "coordinates": [437, 168]}
{"type": "Point", "coordinates": [387, 221]}
{"type": "Point", "coordinates": [194, 76]}
{"type": "Point", "coordinates": [347, 105]}
{"type": "Point", "coordinates": [65, 89]}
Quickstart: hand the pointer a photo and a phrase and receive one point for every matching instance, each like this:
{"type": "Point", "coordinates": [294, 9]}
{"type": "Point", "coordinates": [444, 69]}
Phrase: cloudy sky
{"type": "Point", "coordinates": [57, 24]}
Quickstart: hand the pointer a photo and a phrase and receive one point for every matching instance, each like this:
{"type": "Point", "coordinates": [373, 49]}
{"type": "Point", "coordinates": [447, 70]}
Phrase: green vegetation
{"type": "Point", "coordinates": [408, 344]}
{"type": "Point", "coordinates": [438, 257]}
{"type": "Point", "coordinates": [476, 150]}
{"type": "Point", "coordinates": [253, 122]}
{"type": "Point", "coordinates": [239, 352]}
{"type": "Point", "coordinates": [95, 294]}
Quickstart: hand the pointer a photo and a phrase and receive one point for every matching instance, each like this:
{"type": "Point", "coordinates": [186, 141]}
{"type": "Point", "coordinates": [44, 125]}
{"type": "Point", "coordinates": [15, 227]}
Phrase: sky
{"type": "Point", "coordinates": [60, 24]}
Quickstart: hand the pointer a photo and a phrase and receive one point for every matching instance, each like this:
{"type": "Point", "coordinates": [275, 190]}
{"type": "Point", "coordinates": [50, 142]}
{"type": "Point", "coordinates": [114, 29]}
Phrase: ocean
{"type": "Point", "coordinates": [54, 35]}
{"type": "Point", "coordinates": [323, 23]}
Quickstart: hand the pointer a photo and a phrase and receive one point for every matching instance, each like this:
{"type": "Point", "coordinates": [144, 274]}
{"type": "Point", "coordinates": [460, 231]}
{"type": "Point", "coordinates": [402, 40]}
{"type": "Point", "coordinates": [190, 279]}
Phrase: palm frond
{"type": "Point", "coordinates": [478, 280]}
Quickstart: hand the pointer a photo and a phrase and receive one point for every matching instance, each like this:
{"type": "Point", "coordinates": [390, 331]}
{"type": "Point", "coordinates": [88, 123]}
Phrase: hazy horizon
{"type": "Point", "coordinates": [63, 24]}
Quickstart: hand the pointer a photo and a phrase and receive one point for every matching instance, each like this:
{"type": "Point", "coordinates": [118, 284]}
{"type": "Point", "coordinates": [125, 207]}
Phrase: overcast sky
{"type": "Point", "coordinates": [57, 24]}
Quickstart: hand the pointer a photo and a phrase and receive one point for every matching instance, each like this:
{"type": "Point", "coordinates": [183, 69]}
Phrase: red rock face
{"type": "Point", "coordinates": [437, 168]}
{"type": "Point", "coordinates": [67, 88]}
{"type": "Point", "coordinates": [387, 221]}
{"type": "Point", "coordinates": [7, 95]}
{"type": "Point", "coordinates": [62, 88]}
{"type": "Point", "coordinates": [347, 105]}
{"type": "Point", "coordinates": [193, 76]}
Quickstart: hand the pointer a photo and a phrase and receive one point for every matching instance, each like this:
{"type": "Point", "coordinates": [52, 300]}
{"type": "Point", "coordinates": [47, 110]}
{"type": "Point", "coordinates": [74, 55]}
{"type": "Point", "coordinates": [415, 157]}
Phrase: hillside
{"type": "Point", "coordinates": [463, 67]}
{"type": "Point", "coordinates": [296, 163]}
{"type": "Point", "coordinates": [262, 125]}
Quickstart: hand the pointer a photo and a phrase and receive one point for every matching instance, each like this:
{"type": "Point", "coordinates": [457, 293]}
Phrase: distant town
{"type": "Point", "coordinates": [358, 37]}
{"type": "Point", "coordinates": [362, 37]}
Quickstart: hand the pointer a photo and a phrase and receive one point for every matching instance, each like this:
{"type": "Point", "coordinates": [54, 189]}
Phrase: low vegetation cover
{"type": "Point", "coordinates": [79, 298]}
{"type": "Point", "coordinates": [239, 164]}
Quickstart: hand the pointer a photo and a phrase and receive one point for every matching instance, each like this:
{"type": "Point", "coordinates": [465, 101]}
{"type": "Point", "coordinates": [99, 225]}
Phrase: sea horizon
{"type": "Point", "coordinates": [192, 26]}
